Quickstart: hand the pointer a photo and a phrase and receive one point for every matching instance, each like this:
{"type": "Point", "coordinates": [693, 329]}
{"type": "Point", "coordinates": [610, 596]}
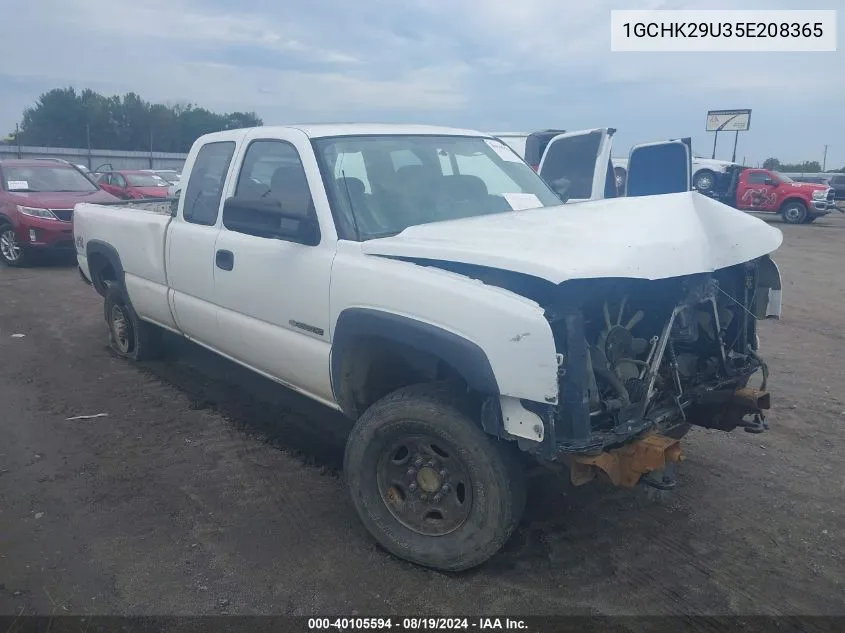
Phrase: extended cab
{"type": "Point", "coordinates": [767, 191]}
{"type": "Point", "coordinates": [430, 285]}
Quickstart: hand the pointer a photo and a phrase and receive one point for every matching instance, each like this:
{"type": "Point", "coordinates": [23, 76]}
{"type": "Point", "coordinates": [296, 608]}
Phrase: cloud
{"type": "Point", "coordinates": [486, 64]}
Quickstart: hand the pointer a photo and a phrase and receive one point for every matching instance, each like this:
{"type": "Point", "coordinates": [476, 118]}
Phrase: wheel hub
{"type": "Point", "coordinates": [120, 329]}
{"type": "Point", "coordinates": [428, 479]}
{"type": "Point", "coordinates": [9, 246]}
{"type": "Point", "coordinates": [425, 485]}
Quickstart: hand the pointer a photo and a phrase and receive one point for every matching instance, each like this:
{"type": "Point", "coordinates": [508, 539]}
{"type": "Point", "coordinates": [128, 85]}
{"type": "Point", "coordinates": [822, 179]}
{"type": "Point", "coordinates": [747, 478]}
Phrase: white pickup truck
{"type": "Point", "coordinates": [560, 154]}
{"type": "Point", "coordinates": [429, 284]}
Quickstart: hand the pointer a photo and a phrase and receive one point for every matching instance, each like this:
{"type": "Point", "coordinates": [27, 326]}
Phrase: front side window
{"type": "Point", "coordinates": [757, 178]}
{"type": "Point", "coordinates": [273, 170]}
{"type": "Point", "coordinates": [49, 178]}
{"type": "Point", "coordinates": [205, 182]}
{"type": "Point", "coordinates": [399, 181]}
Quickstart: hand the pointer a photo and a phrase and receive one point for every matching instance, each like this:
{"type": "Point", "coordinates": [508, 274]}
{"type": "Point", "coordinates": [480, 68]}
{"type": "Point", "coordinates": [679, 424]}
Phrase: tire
{"type": "Point", "coordinates": [794, 212]}
{"type": "Point", "coordinates": [811, 218]}
{"type": "Point", "coordinates": [129, 336]}
{"type": "Point", "coordinates": [11, 252]}
{"type": "Point", "coordinates": [621, 176]}
{"type": "Point", "coordinates": [421, 441]}
{"type": "Point", "coordinates": [704, 180]}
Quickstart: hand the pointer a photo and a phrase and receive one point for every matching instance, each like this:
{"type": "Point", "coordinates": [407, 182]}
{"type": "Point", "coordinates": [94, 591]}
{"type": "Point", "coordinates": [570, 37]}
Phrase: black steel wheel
{"type": "Point", "coordinates": [129, 336]}
{"type": "Point", "coordinates": [428, 483]}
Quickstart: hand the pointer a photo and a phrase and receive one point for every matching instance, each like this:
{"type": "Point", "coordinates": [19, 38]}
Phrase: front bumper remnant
{"type": "Point", "coordinates": [626, 465]}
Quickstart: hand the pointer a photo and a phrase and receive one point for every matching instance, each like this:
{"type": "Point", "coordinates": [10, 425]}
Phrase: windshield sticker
{"type": "Point", "coordinates": [15, 185]}
{"type": "Point", "coordinates": [522, 201]}
{"type": "Point", "coordinates": [504, 152]}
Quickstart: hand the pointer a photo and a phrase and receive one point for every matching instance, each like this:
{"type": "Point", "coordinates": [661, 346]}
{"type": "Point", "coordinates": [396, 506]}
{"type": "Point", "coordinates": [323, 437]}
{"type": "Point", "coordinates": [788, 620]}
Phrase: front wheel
{"type": "Point", "coordinates": [11, 251]}
{"type": "Point", "coordinates": [794, 212]}
{"type": "Point", "coordinates": [428, 483]}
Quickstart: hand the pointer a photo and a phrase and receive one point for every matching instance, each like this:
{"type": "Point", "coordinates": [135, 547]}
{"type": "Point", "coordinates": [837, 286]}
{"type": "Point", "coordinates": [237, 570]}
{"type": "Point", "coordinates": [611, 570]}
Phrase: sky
{"type": "Point", "coordinates": [491, 65]}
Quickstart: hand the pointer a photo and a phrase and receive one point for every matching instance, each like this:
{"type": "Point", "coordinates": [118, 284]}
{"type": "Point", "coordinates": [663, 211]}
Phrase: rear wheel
{"type": "Point", "coordinates": [11, 251]}
{"type": "Point", "coordinates": [794, 212]}
{"type": "Point", "coordinates": [129, 336]}
{"type": "Point", "coordinates": [428, 483]}
{"type": "Point", "coordinates": [704, 180]}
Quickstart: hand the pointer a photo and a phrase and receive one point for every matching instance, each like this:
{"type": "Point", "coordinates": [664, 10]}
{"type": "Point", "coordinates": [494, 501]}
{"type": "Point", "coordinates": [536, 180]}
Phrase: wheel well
{"type": "Point", "coordinates": [102, 270]}
{"type": "Point", "coordinates": [790, 200]}
{"type": "Point", "coordinates": [374, 366]}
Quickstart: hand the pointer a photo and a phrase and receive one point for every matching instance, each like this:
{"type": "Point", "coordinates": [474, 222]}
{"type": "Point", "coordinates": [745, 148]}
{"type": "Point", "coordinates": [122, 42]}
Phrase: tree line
{"type": "Point", "coordinates": [63, 117]}
{"type": "Point", "coordinates": [807, 167]}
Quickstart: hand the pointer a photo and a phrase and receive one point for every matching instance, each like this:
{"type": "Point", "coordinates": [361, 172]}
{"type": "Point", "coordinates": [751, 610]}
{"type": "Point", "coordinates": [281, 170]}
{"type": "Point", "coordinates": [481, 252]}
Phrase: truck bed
{"type": "Point", "coordinates": [136, 230]}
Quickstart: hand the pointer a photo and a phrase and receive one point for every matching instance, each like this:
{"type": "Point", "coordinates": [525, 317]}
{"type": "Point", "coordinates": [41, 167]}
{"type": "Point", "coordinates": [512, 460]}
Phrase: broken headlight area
{"type": "Point", "coordinates": [640, 358]}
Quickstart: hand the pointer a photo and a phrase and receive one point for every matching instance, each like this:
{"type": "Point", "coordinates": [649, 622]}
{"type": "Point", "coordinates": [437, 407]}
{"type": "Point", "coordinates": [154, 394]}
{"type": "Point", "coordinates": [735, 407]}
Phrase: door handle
{"type": "Point", "coordinates": [225, 260]}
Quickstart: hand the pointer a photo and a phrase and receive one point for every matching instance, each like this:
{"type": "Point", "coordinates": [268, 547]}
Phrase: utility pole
{"type": "Point", "coordinates": [18, 139]}
{"type": "Point", "coordinates": [151, 146]}
{"type": "Point", "coordinates": [824, 160]}
{"type": "Point", "coordinates": [88, 141]}
{"type": "Point", "coordinates": [736, 138]}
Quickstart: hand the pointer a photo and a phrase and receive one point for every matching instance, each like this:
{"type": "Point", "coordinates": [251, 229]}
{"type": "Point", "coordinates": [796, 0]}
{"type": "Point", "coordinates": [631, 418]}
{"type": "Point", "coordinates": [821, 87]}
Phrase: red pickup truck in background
{"type": "Point", "coordinates": [767, 191]}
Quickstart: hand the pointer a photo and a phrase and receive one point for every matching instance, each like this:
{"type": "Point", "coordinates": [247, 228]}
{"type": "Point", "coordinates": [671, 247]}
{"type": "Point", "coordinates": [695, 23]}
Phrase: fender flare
{"type": "Point", "coordinates": [98, 247]}
{"type": "Point", "coordinates": [466, 357]}
{"type": "Point", "coordinates": [795, 199]}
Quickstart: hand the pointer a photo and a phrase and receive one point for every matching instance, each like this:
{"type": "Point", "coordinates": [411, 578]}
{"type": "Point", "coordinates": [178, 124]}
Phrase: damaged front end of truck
{"type": "Point", "coordinates": [642, 361]}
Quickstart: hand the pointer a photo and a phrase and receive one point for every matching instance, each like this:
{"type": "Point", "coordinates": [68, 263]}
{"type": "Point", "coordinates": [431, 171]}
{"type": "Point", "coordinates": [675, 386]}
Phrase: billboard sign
{"type": "Point", "coordinates": [728, 120]}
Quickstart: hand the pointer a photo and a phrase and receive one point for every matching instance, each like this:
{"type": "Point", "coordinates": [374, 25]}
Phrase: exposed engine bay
{"type": "Point", "coordinates": [637, 355]}
{"type": "Point", "coordinates": [641, 355]}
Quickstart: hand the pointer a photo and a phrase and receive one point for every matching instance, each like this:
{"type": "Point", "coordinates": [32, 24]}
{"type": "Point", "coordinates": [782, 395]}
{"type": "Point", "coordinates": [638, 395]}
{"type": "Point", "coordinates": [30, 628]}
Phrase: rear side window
{"type": "Point", "coordinates": [205, 183]}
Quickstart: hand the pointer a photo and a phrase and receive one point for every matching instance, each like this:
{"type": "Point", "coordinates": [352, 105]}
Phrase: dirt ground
{"type": "Point", "coordinates": [207, 490]}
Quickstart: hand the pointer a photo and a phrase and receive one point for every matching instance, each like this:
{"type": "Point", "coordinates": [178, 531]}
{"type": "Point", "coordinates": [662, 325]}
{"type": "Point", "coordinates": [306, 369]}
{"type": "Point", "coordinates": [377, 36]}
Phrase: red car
{"type": "Point", "coordinates": [36, 206]}
{"type": "Point", "coordinates": [132, 184]}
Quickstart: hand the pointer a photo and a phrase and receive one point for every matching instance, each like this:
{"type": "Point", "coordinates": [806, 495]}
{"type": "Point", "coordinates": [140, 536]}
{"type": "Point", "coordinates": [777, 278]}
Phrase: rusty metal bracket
{"type": "Point", "coordinates": [624, 466]}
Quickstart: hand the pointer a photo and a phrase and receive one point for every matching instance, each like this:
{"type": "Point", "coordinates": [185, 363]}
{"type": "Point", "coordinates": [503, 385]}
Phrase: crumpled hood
{"type": "Point", "coordinates": [649, 237]}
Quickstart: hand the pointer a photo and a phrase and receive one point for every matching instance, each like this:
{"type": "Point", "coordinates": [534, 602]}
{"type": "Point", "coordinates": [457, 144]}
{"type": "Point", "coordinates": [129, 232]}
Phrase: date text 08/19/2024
{"type": "Point", "coordinates": [416, 624]}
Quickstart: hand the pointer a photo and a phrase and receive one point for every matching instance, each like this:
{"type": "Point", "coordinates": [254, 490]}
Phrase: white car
{"type": "Point", "coordinates": [427, 283]}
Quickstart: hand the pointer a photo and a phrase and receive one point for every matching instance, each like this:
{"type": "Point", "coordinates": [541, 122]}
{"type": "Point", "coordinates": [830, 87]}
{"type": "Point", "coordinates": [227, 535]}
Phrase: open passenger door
{"type": "Point", "coordinates": [661, 167]}
{"type": "Point", "coordinates": [577, 165]}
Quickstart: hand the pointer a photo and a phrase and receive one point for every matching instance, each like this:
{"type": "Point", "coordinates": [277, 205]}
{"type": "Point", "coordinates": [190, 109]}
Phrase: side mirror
{"type": "Point", "coordinates": [769, 181]}
{"type": "Point", "coordinates": [263, 217]}
{"type": "Point", "coordinates": [561, 188]}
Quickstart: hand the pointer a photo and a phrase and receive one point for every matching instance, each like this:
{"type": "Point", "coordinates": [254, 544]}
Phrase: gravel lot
{"type": "Point", "coordinates": [206, 490]}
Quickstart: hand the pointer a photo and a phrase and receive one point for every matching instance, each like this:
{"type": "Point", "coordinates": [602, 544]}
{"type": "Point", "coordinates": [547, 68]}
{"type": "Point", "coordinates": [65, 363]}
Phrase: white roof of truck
{"type": "Point", "coordinates": [321, 130]}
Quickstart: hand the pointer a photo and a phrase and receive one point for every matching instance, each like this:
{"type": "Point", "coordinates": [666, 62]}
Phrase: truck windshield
{"type": "Point", "coordinates": [381, 185]}
{"type": "Point", "coordinates": [783, 177]}
{"type": "Point", "coordinates": [49, 178]}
